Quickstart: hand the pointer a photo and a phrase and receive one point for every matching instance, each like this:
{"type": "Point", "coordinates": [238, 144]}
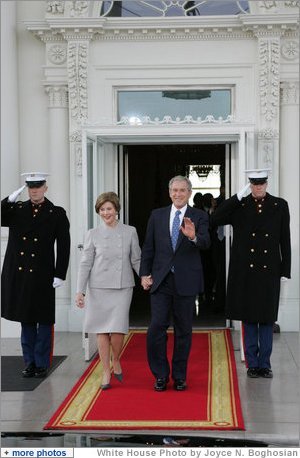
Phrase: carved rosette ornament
{"type": "Point", "coordinates": [269, 57]}
{"type": "Point", "coordinates": [57, 54]}
{"type": "Point", "coordinates": [58, 96]}
{"type": "Point", "coordinates": [77, 76]}
{"type": "Point", "coordinates": [290, 50]}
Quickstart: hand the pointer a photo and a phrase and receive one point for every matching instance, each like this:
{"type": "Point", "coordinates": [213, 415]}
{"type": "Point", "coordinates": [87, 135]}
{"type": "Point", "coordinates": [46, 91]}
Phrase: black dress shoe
{"type": "Point", "coordinates": [41, 372]}
{"type": "Point", "coordinates": [29, 371]}
{"type": "Point", "coordinates": [265, 372]}
{"type": "Point", "coordinates": [161, 384]}
{"type": "Point", "coordinates": [253, 372]}
{"type": "Point", "coordinates": [179, 385]}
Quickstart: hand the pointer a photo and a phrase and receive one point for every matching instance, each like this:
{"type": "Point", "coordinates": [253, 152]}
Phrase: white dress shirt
{"type": "Point", "coordinates": [172, 215]}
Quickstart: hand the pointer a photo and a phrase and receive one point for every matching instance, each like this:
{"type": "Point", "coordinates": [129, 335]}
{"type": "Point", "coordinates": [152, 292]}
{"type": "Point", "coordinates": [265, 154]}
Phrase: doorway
{"type": "Point", "coordinates": [147, 171]}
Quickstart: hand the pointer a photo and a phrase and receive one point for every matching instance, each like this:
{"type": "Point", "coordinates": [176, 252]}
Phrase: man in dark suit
{"type": "Point", "coordinates": [32, 270]}
{"type": "Point", "coordinates": [260, 259]}
{"type": "Point", "coordinates": [171, 268]}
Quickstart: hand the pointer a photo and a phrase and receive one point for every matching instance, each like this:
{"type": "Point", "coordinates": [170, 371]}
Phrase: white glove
{"type": "Point", "coordinates": [13, 197]}
{"type": "Point", "coordinates": [57, 282]}
{"type": "Point", "coordinates": [284, 279]}
{"type": "Point", "coordinates": [243, 191]}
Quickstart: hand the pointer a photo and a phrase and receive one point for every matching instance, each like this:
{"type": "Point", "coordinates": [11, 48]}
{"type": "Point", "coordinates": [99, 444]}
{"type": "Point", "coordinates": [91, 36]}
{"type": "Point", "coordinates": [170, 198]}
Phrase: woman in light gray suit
{"type": "Point", "coordinates": [105, 282]}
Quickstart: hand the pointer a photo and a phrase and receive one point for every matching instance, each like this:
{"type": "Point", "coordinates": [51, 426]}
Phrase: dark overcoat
{"type": "Point", "coordinates": [30, 263]}
{"type": "Point", "coordinates": [260, 255]}
{"type": "Point", "coordinates": [158, 256]}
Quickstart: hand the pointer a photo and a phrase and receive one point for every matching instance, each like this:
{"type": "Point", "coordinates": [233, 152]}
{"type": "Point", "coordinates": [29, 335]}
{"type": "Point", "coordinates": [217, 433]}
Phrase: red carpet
{"type": "Point", "coordinates": [210, 402]}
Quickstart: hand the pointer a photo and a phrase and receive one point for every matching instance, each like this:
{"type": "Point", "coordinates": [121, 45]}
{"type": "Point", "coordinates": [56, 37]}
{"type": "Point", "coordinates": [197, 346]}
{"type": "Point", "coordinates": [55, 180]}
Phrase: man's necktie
{"type": "Point", "coordinates": [175, 229]}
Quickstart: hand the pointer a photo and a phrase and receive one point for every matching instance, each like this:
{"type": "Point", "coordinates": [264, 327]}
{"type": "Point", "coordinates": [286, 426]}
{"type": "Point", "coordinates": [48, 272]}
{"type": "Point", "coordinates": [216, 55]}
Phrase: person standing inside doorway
{"type": "Point", "coordinates": [33, 269]}
{"type": "Point", "coordinates": [171, 269]}
{"type": "Point", "coordinates": [260, 260]}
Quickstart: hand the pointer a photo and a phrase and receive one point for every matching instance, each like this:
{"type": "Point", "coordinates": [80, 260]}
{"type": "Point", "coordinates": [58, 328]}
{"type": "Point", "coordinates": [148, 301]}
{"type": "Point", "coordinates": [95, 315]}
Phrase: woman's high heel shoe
{"type": "Point", "coordinates": [119, 377]}
{"type": "Point", "coordinates": [105, 386]}
{"type": "Point", "coordinates": [119, 374]}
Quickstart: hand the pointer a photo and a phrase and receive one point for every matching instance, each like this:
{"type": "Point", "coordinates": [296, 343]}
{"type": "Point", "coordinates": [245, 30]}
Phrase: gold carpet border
{"type": "Point", "coordinates": [220, 405]}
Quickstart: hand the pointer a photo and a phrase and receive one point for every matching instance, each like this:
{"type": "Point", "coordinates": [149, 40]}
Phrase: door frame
{"type": "Point", "coordinates": [108, 140]}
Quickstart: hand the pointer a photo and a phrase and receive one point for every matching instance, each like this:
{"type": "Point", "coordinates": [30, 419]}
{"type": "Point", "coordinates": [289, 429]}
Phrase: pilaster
{"type": "Point", "coordinates": [289, 190]}
{"type": "Point", "coordinates": [59, 192]}
{"type": "Point", "coordinates": [269, 95]}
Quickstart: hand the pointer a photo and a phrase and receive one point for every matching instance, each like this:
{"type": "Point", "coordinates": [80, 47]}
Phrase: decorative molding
{"type": "Point", "coordinates": [292, 3]}
{"type": "Point", "coordinates": [268, 4]}
{"type": "Point", "coordinates": [269, 57]}
{"type": "Point", "coordinates": [57, 54]}
{"type": "Point", "coordinates": [79, 8]}
{"type": "Point", "coordinates": [290, 49]}
{"type": "Point", "coordinates": [180, 28]}
{"type": "Point", "coordinates": [275, 4]}
{"type": "Point", "coordinates": [58, 96]}
{"type": "Point", "coordinates": [55, 7]}
{"type": "Point", "coordinates": [78, 158]}
{"type": "Point", "coordinates": [75, 138]}
{"type": "Point", "coordinates": [268, 154]}
{"type": "Point", "coordinates": [289, 93]}
{"type": "Point", "coordinates": [77, 76]}
{"type": "Point", "coordinates": [268, 134]}
{"type": "Point", "coordinates": [172, 35]}
{"type": "Point", "coordinates": [147, 121]}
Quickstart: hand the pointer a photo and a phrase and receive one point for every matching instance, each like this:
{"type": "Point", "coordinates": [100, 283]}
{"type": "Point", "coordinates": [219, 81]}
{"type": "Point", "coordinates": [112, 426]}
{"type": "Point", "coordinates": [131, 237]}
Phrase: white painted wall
{"type": "Point", "coordinates": [26, 126]}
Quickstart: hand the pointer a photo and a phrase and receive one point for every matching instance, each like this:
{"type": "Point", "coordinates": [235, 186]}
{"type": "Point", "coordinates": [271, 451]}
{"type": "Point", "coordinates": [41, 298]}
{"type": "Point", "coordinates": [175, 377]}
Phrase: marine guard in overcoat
{"type": "Point", "coordinates": [260, 259]}
{"type": "Point", "coordinates": [32, 269]}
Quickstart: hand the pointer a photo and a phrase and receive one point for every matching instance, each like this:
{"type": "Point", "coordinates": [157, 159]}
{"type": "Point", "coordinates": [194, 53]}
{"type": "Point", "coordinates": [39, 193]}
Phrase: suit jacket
{"type": "Point", "coordinates": [108, 257]}
{"type": "Point", "coordinates": [30, 262]}
{"type": "Point", "coordinates": [158, 256]}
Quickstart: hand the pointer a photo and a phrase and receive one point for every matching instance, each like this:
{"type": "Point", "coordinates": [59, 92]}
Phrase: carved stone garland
{"type": "Point", "coordinates": [269, 87]}
{"type": "Point", "coordinates": [77, 75]}
{"type": "Point", "coordinates": [78, 102]}
{"type": "Point", "coordinates": [269, 57]}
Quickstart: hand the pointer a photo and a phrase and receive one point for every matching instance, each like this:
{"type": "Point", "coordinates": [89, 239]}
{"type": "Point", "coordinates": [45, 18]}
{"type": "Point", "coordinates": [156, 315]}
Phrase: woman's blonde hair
{"type": "Point", "coordinates": [108, 197]}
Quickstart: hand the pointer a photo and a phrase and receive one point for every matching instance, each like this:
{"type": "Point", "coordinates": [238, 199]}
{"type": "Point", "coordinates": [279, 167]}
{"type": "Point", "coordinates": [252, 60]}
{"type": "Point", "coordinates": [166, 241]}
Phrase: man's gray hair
{"type": "Point", "coordinates": [181, 178]}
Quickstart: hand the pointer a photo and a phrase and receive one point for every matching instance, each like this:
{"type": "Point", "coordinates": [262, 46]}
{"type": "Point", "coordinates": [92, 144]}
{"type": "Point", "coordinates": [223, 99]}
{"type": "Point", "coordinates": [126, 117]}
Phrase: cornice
{"type": "Point", "coordinates": [231, 27]}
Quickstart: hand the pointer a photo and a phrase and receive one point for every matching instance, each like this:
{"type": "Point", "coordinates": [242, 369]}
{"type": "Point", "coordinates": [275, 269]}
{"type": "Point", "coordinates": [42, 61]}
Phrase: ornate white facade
{"type": "Point", "coordinates": [63, 64]}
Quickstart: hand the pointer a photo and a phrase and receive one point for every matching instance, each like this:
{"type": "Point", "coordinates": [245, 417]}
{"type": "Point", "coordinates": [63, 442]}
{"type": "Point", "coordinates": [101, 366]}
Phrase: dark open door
{"type": "Point", "coordinates": [146, 175]}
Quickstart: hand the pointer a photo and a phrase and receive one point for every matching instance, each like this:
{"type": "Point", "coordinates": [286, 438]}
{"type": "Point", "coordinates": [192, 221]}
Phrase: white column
{"type": "Point", "coordinates": [10, 178]}
{"type": "Point", "coordinates": [289, 190]}
{"type": "Point", "coordinates": [59, 180]}
{"type": "Point", "coordinates": [58, 146]}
